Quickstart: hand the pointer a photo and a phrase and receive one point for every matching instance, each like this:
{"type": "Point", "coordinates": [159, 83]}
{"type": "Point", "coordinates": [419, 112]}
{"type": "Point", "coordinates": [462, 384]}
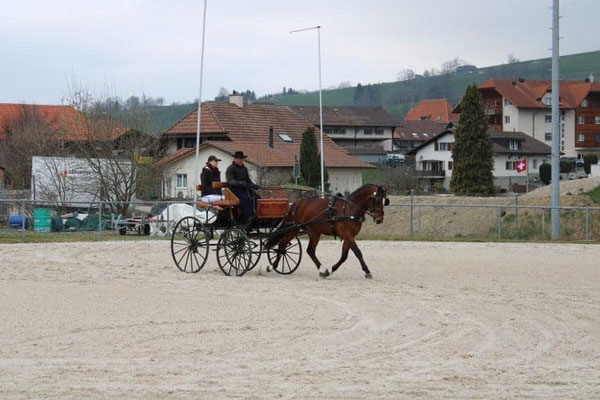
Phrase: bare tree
{"type": "Point", "coordinates": [510, 59]}
{"type": "Point", "coordinates": [116, 147]}
{"type": "Point", "coordinates": [405, 75]}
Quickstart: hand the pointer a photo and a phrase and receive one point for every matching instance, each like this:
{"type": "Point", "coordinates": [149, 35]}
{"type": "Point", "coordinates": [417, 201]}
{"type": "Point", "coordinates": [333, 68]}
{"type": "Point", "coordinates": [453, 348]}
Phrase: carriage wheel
{"type": "Point", "coordinates": [256, 253]}
{"type": "Point", "coordinates": [234, 252]}
{"type": "Point", "coordinates": [290, 257]}
{"type": "Point", "coordinates": [189, 245]}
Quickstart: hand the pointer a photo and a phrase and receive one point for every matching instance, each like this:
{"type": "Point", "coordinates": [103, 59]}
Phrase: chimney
{"type": "Point", "coordinates": [271, 137]}
{"type": "Point", "coordinates": [591, 77]}
{"type": "Point", "coordinates": [237, 99]}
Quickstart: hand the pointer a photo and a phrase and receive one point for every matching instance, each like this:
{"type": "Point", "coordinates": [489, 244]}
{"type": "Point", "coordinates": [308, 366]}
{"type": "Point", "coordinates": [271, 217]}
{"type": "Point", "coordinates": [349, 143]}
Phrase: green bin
{"type": "Point", "coordinates": [42, 220]}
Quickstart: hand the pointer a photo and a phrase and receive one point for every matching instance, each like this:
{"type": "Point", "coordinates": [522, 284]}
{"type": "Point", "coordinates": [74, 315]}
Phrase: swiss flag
{"type": "Point", "coordinates": [521, 166]}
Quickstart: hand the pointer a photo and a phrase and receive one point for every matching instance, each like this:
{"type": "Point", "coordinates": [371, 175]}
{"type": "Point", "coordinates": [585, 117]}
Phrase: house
{"type": "Point", "coordinates": [438, 110]}
{"type": "Point", "coordinates": [368, 131]}
{"type": "Point", "coordinates": [526, 106]}
{"type": "Point", "coordinates": [270, 135]}
{"type": "Point", "coordinates": [410, 134]}
{"type": "Point", "coordinates": [434, 157]}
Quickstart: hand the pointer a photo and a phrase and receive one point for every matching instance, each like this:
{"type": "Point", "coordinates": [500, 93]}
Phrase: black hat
{"type": "Point", "coordinates": [239, 154]}
{"type": "Point", "coordinates": [213, 158]}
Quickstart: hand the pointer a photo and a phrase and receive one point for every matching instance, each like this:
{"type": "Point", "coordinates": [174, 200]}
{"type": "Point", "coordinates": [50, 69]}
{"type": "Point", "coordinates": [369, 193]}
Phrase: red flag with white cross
{"type": "Point", "coordinates": [521, 166]}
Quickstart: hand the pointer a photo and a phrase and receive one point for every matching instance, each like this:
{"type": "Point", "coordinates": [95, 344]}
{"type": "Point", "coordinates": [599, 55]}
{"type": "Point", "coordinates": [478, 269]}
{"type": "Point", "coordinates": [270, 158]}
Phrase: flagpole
{"type": "Point", "coordinates": [527, 166]}
{"type": "Point", "coordinates": [199, 112]}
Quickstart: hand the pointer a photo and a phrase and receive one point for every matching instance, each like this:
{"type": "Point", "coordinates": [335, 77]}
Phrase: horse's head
{"type": "Point", "coordinates": [378, 199]}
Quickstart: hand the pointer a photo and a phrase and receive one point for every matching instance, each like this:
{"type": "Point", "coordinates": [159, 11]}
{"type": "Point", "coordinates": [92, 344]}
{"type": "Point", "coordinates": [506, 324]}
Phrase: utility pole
{"type": "Point", "coordinates": [555, 214]}
{"type": "Point", "coordinates": [199, 112]}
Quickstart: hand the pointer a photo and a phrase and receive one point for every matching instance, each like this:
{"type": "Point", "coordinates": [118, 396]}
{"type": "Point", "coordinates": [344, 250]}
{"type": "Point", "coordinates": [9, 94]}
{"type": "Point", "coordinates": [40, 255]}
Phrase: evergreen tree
{"type": "Point", "coordinates": [472, 151]}
{"type": "Point", "coordinates": [310, 159]}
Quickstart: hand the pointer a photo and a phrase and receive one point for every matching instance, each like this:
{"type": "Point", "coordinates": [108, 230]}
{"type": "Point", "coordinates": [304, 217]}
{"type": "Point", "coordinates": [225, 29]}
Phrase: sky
{"type": "Point", "coordinates": [152, 47]}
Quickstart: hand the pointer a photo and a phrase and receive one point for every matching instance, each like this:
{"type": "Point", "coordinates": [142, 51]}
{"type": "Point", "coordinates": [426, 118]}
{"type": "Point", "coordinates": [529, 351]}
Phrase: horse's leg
{"type": "Point", "coordinates": [312, 247]}
{"type": "Point", "coordinates": [359, 255]}
{"type": "Point", "coordinates": [345, 249]}
{"type": "Point", "coordinates": [281, 246]}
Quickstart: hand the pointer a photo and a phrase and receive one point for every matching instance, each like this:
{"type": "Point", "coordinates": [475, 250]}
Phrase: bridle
{"type": "Point", "coordinates": [377, 195]}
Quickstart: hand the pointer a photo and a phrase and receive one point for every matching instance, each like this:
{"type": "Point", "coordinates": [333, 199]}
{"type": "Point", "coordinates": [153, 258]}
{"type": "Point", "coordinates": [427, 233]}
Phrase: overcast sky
{"type": "Point", "coordinates": [153, 46]}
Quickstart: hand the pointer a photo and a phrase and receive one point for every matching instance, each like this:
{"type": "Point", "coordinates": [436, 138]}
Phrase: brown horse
{"type": "Point", "coordinates": [334, 216]}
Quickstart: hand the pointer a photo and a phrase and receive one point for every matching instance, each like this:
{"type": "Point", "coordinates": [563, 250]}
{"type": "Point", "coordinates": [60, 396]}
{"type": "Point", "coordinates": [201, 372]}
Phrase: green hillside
{"type": "Point", "coordinates": [399, 97]}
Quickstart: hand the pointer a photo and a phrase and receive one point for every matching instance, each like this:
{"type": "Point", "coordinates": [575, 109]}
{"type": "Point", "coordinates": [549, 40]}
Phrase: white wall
{"type": "Point", "coordinates": [428, 153]}
{"type": "Point", "coordinates": [384, 139]}
{"type": "Point", "coordinates": [500, 165]}
{"type": "Point", "coordinates": [344, 179]}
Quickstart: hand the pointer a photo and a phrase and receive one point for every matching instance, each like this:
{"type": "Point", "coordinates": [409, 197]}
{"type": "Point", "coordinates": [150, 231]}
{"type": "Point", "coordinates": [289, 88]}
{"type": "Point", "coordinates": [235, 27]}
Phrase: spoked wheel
{"type": "Point", "coordinates": [234, 252]}
{"type": "Point", "coordinates": [256, 253]}
{"type": "Point", "coordinates": [290, 257]}
{"type": "Point", "coordinates": [189, 245]}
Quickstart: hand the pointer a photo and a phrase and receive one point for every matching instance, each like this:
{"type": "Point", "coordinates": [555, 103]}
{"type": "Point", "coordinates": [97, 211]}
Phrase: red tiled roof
{"type": "Point", "coordinates": [187, 124]}
{"type": "Point", "coordinates": [347, 116]}
{"type": "Point", "coordinates": [529, 93]}
{"type": "Point", "coordinates": [418, 131]}
{"type": "Point", "coordinates": [248, 130]}
{"type": "Point", "coordinates": [66, 122]}
{"type": "Point", "coordinates": [439, 110]}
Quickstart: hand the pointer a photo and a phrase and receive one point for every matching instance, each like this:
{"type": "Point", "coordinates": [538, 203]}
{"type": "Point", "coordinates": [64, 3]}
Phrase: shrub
{"type": "Point", "coordinates": [545, 173]}
{"type": "Point", "coordinates": [588, 160]}
{"type": "Point", "coordinates": [566, 166]}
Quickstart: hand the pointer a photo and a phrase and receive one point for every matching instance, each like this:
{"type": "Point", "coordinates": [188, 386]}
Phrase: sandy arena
{"type": "Point", "coordinates": [439, 320]}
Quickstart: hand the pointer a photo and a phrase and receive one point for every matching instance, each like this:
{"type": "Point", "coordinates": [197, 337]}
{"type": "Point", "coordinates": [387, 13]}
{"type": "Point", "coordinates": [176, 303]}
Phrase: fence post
{"type": "Point", "coordinates": [100, 218]}
{"type": "Point", "coordinates": [587, 223]}
{"type": "Point", "coordinates": [412, 206]}
{"type": "Point", "coordinates": [543, 222]}
{"type": "Point", "coordinates": [23, 216]}
{"type": "Point", "coordinates": [499, 223]}
{"type": "Point", "coordinates": [517, 214]}
{"type": "Point", "coordinates": [419, 218]}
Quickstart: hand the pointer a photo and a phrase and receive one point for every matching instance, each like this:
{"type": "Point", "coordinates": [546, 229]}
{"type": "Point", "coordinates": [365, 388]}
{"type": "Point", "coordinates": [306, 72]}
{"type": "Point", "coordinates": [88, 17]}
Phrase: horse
{"type": "Point", "coordinates": [335, 216]}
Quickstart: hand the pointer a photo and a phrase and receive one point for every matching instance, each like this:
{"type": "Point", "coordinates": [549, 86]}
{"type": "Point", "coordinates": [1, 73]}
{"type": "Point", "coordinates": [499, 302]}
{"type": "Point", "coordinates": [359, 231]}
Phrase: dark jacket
{"type": "Point", "coordinates": [207, 178]}
{"type": "Point", "coordinates": [238, 177]}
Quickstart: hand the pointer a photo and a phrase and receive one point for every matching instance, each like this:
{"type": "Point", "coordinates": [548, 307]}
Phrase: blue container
{"type": "Point", "coordinates": [16, 222]}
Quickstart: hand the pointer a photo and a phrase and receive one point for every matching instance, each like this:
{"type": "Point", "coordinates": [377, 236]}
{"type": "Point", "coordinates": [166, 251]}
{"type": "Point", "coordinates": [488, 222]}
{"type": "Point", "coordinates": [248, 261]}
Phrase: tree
{"type": "Point", "coordinates": [588, 160]}
{"type": "Point", "coordinates": [472, 152]}
{"type": "Point", "coordinates": [310, 159]}
{"type": "Point", "coordinates": [545, 173]}
{"type": "Point", "coordinates": [510, 59]}
{"type": "Point", "coordinates": [344, 85]}
{"type": "Point", "coordinates": [405, 75]}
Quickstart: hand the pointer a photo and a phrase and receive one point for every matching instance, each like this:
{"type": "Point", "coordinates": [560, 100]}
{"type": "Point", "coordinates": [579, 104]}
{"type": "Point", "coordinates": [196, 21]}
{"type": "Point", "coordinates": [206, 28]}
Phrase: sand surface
{"type": "Point", "coordinates": [439, 320]}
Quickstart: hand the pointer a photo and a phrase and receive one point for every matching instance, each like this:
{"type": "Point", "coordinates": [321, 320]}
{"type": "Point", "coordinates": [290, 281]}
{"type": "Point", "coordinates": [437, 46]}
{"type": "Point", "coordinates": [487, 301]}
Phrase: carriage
{"type": "Point", "coordinates": [238, 248]}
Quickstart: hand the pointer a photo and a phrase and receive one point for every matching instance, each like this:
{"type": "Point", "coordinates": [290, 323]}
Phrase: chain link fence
{"type": "Point", "coordinates": [406, 219]}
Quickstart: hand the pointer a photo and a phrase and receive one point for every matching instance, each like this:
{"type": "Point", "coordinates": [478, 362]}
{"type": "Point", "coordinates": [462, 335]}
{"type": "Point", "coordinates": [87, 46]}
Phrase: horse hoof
{"type": "Point", "coordinates": [324, 274]}
{"type": "Point", "coordinates": [268, 268]}
{"type": "Point", "coordinates": [369, 276]}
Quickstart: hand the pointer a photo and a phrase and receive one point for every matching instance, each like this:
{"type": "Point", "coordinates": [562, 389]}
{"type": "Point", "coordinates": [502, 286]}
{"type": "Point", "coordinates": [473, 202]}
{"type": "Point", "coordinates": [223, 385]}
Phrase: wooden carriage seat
{"type": "Point", "coordinates": [230, 199]}
{"type": "Point", "coordinates": [271, 208]}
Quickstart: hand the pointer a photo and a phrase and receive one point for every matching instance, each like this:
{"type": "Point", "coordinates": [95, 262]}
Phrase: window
{"type": "Point", "coordinates": [414, 134]}
{"type": "Point", "coordinates": [585, 103]}
{"type": "Point", "coordinates": [547, 101]}
{"type": "Point", "coordinates": [513, 145]}
{"type": "Point", "coordinates": [368, 131]}
{"type": "Point", "coordinates": [597, 119]}
{"type": "Point", "coordinates": [507, 102]}
{"type": "Point", "coordinates": [581, 120]}
{"type": "Point", "coordinates": [379, 131]}
{"type": "Point", "coordinates": [535, 164]}
{"type": "Point", "coordinates": [598, 138]}
{"type": "Point", "coordinates": [285, 137]}
{"type": "Point", "coordinates": [182, 180]}
{"type": "Point", "coordinates": [507, 119]}
{"type": "Point", "coordinates": [548, 136]}
{"type": "Point", "coordinates": [581, 137]}
{"type": "Point", "coordinates": [445, 146]}
{"type": "Point", "coordinates": [548, 118]}
{"type": "Point", "coordinates": [510, 165]}
{"type": "Point", "coordinates": [450, 165]}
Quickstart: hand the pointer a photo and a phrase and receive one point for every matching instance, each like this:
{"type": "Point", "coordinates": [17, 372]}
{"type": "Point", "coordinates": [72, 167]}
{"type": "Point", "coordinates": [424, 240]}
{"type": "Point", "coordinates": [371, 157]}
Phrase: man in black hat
{"type": "Point", "coordinates": [210, 174]}
{"type": "Point", "coordinates": [241, 185]}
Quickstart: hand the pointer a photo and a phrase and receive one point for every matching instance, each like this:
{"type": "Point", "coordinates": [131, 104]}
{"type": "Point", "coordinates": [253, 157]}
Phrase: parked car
{"type": "Point", "coordinates": [395, 159]}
